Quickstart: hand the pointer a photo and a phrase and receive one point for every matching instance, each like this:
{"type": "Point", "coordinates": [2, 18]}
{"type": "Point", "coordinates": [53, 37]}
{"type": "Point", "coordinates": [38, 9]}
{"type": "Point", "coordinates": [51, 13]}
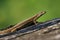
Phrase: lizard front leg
{"type": "Point", "coordinates": [34, 21]}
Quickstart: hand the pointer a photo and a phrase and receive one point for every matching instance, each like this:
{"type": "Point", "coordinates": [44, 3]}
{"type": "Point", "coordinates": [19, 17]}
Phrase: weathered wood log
{"type": "Point", "coordinates": [49, 30]}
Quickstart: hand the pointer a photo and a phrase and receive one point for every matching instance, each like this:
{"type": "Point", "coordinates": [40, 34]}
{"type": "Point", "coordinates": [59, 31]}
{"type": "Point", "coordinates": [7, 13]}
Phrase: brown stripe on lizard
{"type": "Point", "coordinates": [20, 24]}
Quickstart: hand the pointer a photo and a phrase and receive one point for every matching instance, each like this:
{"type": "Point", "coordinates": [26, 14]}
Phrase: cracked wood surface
{"type": "Point", "coordinates": [51, 32]}
{"type": "Point", "coordinates": [44, 34]}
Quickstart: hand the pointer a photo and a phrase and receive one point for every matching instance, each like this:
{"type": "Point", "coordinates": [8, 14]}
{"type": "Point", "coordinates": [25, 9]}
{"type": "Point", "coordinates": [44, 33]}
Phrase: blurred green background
{"type": "Point", "coordinates": [14, 11]}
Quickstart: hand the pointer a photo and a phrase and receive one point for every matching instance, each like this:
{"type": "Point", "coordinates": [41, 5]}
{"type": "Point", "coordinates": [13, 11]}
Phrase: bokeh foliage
{"type": "Point", "coordinates": [14, 11]}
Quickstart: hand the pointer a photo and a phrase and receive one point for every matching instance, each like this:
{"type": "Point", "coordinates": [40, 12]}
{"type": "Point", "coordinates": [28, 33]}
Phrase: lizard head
{"type": "Point", "coordinates": [41, 13]}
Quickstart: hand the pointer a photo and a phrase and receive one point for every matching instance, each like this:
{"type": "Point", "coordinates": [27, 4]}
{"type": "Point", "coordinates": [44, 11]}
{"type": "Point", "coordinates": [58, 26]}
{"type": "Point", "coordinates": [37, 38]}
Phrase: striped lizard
{"type": "Point", "coordinates": [20, 24]}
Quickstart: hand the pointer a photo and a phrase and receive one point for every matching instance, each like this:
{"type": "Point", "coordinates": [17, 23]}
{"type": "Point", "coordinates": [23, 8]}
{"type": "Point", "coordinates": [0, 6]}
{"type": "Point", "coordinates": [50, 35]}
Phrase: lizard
{"type": "Point", "coordinates": [20, 24]}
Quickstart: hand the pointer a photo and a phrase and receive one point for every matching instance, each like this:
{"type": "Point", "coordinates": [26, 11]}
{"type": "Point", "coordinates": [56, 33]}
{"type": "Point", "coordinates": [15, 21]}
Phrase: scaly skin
{"type": "Point", "coordinates": [19, 25]}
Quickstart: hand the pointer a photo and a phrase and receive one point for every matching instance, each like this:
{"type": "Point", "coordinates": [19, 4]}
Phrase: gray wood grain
{"type": "Point", "coordinates": [51, 32]}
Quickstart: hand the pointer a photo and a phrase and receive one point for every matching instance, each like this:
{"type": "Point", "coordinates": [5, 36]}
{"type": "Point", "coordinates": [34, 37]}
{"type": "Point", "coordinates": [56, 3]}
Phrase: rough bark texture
{"type": "Point", "coordinates": [51, 32]}
{"type": "Point", "coordinates": [44, 34]}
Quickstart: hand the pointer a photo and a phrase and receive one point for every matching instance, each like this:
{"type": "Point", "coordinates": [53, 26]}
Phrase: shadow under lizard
{"type": "Point", "coordinates": [20, 24]}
